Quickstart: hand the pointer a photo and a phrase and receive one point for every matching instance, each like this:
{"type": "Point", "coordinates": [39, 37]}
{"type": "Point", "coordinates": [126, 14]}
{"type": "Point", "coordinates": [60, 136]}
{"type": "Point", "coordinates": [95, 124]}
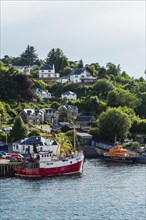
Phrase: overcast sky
{"type": "Point", "coordinates": [94, 31]}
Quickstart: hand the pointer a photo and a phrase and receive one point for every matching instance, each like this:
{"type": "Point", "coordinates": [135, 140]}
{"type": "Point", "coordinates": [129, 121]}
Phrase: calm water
{"type": "Point", "coordinates": [105, 191]}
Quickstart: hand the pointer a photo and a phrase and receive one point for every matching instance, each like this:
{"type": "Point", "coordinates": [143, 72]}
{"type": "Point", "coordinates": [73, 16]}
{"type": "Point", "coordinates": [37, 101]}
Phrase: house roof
{"type": "Point", "coordinates": [68, 93]}
{"type": "Point", "coordinates": [31, 140]}
{"type": "Point", "coordinates": [47, 67]}
{"type": "Point", "coordinates": [84, 118]}
{"type": "Point", "coordinates": [84, 135]}
{"type": "Point", "coordinates": [33, 111]}
{"type": "Point", "coordinates": [71, 126]}
{"type": "Point", "coordinates": [79, 71]}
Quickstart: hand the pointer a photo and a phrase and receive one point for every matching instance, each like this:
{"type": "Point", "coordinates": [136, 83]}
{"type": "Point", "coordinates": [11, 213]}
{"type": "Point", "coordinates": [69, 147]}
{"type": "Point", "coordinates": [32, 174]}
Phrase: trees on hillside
{"type": "Point", "coordinates": [19, 130]}
{"type": "Point", "coordinates": [57, 58]}
{"type": "Point", "coordinates": [113, 123]}
{"type": "Point", "coordinates": [29, 56]}
{"type": "Point", "coordinates": [121, 97]}
{"type": "Point", "coordinates": [102, 88]}
{"type": "Point", "coordinates": [15, 86]}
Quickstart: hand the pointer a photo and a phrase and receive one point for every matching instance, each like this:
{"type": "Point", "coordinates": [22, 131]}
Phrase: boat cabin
{"type": "Point", "coordinates": [117, 151]}
{"type": "Point", "coordinates": [45, 156]}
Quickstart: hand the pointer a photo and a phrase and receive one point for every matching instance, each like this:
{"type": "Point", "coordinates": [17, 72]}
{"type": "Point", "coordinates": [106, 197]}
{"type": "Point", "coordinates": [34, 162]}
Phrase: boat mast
{"type": "Point", "coordinates": [75, 140]}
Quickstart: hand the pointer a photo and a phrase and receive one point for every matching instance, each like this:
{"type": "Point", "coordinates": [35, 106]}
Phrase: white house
{"type": "Point", "coordinates": [70, 95]}
{"type": "Point", "coordinates": [62, 80]}
{"type": "Point", "coordinates": [82, 75]}
{"type": "Point", "coordinates": [43, 94]}
{"type": "Point", "coordinates": [41, 144]}
{"type": "Point", "coordinates": [48, 71]}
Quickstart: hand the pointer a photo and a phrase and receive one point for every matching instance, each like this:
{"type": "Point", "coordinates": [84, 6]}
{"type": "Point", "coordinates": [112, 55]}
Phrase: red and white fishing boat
{"type": "Point", "coordinates": [47, 165]}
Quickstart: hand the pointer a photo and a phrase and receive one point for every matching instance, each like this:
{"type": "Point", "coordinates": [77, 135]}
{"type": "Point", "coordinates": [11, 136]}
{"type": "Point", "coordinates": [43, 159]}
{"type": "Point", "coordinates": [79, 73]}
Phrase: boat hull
{"type": "Point", "coordinates": [119, 159]}
{"type": "Point", "coordinates": [68, 169]}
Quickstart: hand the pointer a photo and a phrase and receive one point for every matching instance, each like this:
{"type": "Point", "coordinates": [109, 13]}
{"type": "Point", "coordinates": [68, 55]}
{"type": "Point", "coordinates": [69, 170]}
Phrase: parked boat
{"type": "Point", "coordinates": [118, 154]}
{"type": "Point", "coordinates": [45, 163]}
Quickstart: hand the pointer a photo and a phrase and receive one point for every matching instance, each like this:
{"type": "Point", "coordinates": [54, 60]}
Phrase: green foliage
{"type": "Point", "coordinates": [112, 69]}
{"type": "Point", "coordinates": [39, 84]}
{"type": "Point", "coordinates": [55, 105]}
{"type": "Point", "coordinates": [34, 132]}
{"type": "Point", "coordinates": [120, 97]}
{"type": "Point", "coordinates": [94, 132]}
{"type": "Point", "coordinates": [19, 130]}
{"type": "Point", "coordinates": [113, 123]}
{"type": "Point", "coordinates": [90, 105]}
{"type": "Point", "coordinates": [29, 56]}
{"type": "Point", "coordinates": [57, 58]}
{"type": "Point", "coordinates": [130, 112]}
{"type": "Point", "coordinates": [141, 109]}
{"type": "Point", "coordinates": [66, 71]}
{"type": "Point", "coordinates": [102, 88]}
{"type": "Point", "coordinates": [15, 86]}
{"type": "Point", "coordinates": [139, 127]}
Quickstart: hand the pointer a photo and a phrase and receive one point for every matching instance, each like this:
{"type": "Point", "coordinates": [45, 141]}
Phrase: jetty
{"type": "Point", "coordinates": [7, 168]}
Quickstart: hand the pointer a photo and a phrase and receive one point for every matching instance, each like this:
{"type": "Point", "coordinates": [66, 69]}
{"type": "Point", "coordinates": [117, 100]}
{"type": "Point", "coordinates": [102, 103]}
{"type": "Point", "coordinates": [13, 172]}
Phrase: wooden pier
{"type": "Point", "coordinates": [6, 168]}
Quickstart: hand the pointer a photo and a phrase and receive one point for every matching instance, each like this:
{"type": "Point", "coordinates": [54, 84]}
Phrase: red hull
{"type": "Point", "coordinates": [44, 172]}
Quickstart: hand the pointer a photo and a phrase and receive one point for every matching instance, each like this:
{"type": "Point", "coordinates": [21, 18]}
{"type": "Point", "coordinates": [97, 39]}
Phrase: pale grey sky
{"type": "Point", "coordinates": [94, 31]}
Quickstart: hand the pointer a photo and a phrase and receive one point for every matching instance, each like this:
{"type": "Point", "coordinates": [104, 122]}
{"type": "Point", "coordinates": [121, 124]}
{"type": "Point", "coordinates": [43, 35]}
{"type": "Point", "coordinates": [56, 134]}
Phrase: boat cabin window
{"type": "Point", "coordinates": [46, 155]}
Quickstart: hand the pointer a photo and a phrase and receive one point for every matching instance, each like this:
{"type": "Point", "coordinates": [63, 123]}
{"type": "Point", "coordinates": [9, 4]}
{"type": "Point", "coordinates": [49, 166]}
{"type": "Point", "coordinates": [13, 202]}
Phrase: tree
{"type": "Point", "coordinates": [29, 56]}
{"type": "Point", "coordinates": [102, 72]}
{"type": "Point", "coordinates": [102, 88]}
{"type": "Point", "coordinates": [24, 87]}
{"type": "Point", "coordinates": [80, 64]}
{"type": "Point", "coordinates": [90, 105]}
{"type": "Point", "coordinates": [113, 123]}
{"type": "Point", "coordinates": [57, 58]}
{"type": "Point", "coordinates": [121, 97]}
{"type": "Point", "coordinates": [139, 126]}
{"type": "Point", "coordinates": [19, 130]}
{"type": "Point", "coordinates": [34, 132]}
{"type": "Point", "coordinates": [112, 69]}
{"type": "Point", "coordinates": [7, 60]}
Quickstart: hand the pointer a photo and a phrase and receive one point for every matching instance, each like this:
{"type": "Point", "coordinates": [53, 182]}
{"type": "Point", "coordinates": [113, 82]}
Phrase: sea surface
{"type": "Point", "coordinates": [105, 191]}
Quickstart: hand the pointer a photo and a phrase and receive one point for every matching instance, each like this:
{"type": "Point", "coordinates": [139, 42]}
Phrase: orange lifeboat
{"type": "Point", "coordinates": [118, 151]}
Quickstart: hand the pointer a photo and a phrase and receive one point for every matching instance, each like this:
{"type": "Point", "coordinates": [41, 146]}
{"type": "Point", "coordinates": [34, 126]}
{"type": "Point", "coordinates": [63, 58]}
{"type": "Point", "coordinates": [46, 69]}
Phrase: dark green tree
{"type": "Point", "coordinates": [113, 123]}
{"type": "Point", "coordinates": [102, 88]}
{"type": "Point", "coordinates": [29, 56]}
{"type": "Point", "coordinates": [121, 97]}
{"type": "Point", "coordinates": [57, 58]}
{"type": "Point", "coordinates": [19, 130]}
{"type": "Point", "coordinates": [80, 64]}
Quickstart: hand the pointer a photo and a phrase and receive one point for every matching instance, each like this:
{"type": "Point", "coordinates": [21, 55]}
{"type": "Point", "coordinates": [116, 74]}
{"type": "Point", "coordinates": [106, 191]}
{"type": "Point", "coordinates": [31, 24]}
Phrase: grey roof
{"type": "Point", "coordinates": [84, 118]}
{"type": "Point", "coordinates": [79, 71]}
{"type": "Point", "coordinates": [68, 93]}
{"type": "Point", "coordinates": [47, 67]}
{"type": "Point", "coordinates": [84, 135]}
{"type": "Point", "coordinates": [31, 140]}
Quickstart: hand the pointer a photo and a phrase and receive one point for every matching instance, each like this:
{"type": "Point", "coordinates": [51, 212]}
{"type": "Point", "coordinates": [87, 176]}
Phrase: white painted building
{"type": "Point", "coordinates": [48, 71]}
{"type": "Point", "coordinates": [82, 75]}
{"type": "Point", "coordinates": [62, 80]}
{"type": "Point", "coordinates": [43, 94]}
{"type": "Point", "coordinates": [42, 144]}
{"type": "Point", "coordinates": [70, 95]}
